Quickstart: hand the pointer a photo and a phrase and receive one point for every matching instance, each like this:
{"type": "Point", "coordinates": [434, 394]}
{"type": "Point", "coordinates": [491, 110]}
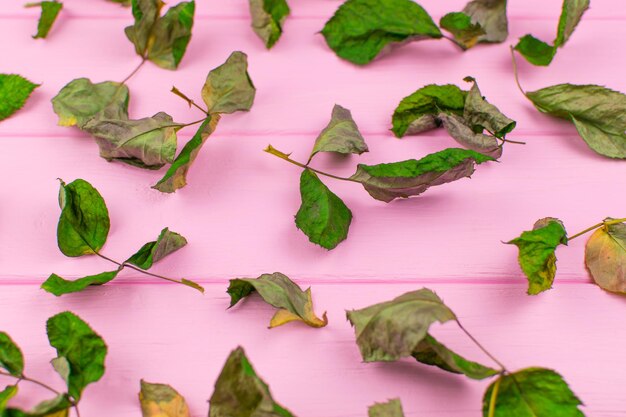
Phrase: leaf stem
{"type": "Point", "coordinates": [515, 142]}
{"type": "Point", "coordinates": [188, 100]}
{"type": "Point", "coordinates": [143, 61]}
{"type": "Point", "coordinates": [515, 72]}
{"type": "Point", "coordinates": [494, 396]}
{"type": "Point", "coordinates": [271, 150]}
{"type": "Point", "coordinates": [36, 382]}
{"type": "Point", "coordinates": [481, 347]}
{"type": "Point", "coordinates": [595, 226]}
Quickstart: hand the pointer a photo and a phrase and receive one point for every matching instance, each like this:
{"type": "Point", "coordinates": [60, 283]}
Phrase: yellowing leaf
{"type": "Point", "coordinates": [159, 400]}
{"type": "Point", "coordinates": [605, 256]}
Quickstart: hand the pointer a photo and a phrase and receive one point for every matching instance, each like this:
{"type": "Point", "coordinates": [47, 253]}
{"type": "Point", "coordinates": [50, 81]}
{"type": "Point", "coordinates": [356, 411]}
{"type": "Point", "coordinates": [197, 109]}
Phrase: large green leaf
{"type": "Point", "coordinates": [386, 182]}
{"type": "Point", "coordinates": [49, 12]}
{"type": "Point", "coordinates": [392, 408]}
{"type": "Point", "coordinates": [279, 291]}
{"type": "Point", "coordinates": [322, 216]}
{"type": "Point", "coordinates": [394, 329]}
{"type": "Point", "coordinates": [11, 358]}
{"type": "Point", "coordinates": [147, 143]}
{"type": "Point", "coordinates": [228, 88]}
{"type": "Point", "coordinates": [605, 256]}
{"type": "Point", "coordinates": [168, 242]}
{"type": "Point", "coordinates": [341, 135]}
{"type": "Point", "coordinates": [81, 100]}
{"type": "Point", "coordinates": [531, 392]}
{"type": "Point", "coordinates": [240, 392]}
{"type": "Point", "coordinates": [83, 349]}
{"type": "Point", "coordinates": [160, 400]}
{"type": "Point", "coordinates": [59, 286]}
{"type": "Point", "coordinates": [361, 30]}
{"type": "Point", "coordinates": [268, 17]}
{"type": "Point", "coordinates": [161, 39]}
{"type": "Point", "coordinates": [84, 223]}
{"type": "Point", "coordinates": [538, 52]}
{"type": "Point", "coordinates": [537, 253]}
{"type": "Point", "coordinates": [14, 91]}
{"type": "Point", "coordinates": [598, 113]}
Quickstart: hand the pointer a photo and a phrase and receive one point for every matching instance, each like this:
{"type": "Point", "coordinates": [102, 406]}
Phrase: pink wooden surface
{"type": "Point", "coordinates": [237, 214]}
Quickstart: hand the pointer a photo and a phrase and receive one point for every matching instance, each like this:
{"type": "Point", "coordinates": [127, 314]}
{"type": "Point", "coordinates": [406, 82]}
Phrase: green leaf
{"type": "Point", "coordinates": [430, 352]}
{"type": "Point", "coordinates": [466, 33]}
{"type": "Point", "coordinates": [532, 392]}
{"type": "Point", "coordinates": [81, 346]}
{"type": "Point", "coordinates": [386, 182]}
{"type": "Point", "coordinates": [279, 291]}
{"type": "Point", "coordinates": [14, 91]}
{"type": "Point", "coordinates": [322, 216]}
{"type": "Point", "coordinates": [491, 16]}
{"type": "Point", "coordinates": [605, 256]}
{"type": "Point", "coordinates": [5, 395]}
{"type": "Point", "coordinates": [167, 243]}
{"type": "Point", "coordinates": [56, 407]}
{"type": "Point", "coordinates": [176, 175]}
{"type": "Point", "coordinates": [598, 113]}
{"type": "Point", "coordinates": [392, 408]}
{"type": "Point", "coordinates": [147, 143]}
{"type": "Point", "coordinates": [49, 12]}
{"type": "Point", "coordinates": [341, 135]}
{"type": "Point", "coordinates": [81, 100]}
{"type": "Point", "coordinates": [161, 39]}
{"type": "Point", "coordinates": [361, 30]}
{"type": "Point", "coordinates": [228, 88]}
{"type": "Point", "coordinates": [160, 400]}
{"type": "Point", "coordinates": [482, 115]}
{"type": "Point", "coordinates": [538, 52]}
{"type": "Point", "coordinates": [537, 253]}
{"type": "Point", "coordinates": [84, 223]}
{"type": "Point", "coordinates": [392, 330]}
{"type": "Point", "coordinates": [59, 286]}
{"type": "Point", "coordinates": [239, 391]}
{"type": "Point", "coordinates": [419, 111]}
{"type": "Point", "coordinates": [268, 17]}
{"type": "Point", "coordinates": [11, 358]}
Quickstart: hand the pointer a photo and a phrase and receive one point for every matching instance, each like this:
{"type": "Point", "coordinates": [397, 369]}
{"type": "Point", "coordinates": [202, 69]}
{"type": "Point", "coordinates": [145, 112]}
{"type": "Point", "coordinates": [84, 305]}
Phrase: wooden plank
{"type": "Point", "coordinates": [164, 333]}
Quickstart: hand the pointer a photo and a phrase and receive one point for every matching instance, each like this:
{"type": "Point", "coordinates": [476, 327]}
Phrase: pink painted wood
{"type": "Point", "coordinates": [237, 214]}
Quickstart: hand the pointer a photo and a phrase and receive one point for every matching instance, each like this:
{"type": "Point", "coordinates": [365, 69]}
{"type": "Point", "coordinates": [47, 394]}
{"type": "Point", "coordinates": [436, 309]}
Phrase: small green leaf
{"type": "Point", "coordinates": [430, 352]}
{"type": "Point", "coordinates": [341, 135]}
{"type": "Point", "coordinates": [239, 391]}
{"type": "Point", "coordinates": [268, 17]}
{"type": "Point", "coordinates": [125, 3]}
{"type": "Point", "coordinates": [361, 30]}
{"type": "Point", "coordinates": [14, 91]}
{"type": "Point", "coordinates": [168, 242]}
{"type": "Point", "coordinates": [84, 350]}
{"type": "Point", "coordinates": [605, 256]}
{"type": "Point", "coordinates": [491, 16]}
{"type": "Point", "coordinates": [84, 223]}
{"type": "Point", "coordinates": [466, 33]}
{"type": "Point", "coordinates": [538, 52]}
{"type": "Point", "coordinates": [147, 143]}
{"type": "Point", "coordinates": [176, 175]}
{"type": "Point", "coordinates": [81, 100]}
{"type": "Point", "coordinates": [419, 111]}
{"type": "Point", "coordinates": [536, 253]}
{"type": "Point", "coordinates": [532, 392]}
{"type": "Point", "coordinates": [392, 330]}
{"type": "Point", "coordinates": [49, 12]}
{"type": "Point", "coordinates": [322, 216]}
{"type": "Point", "coordinates": [59, 286]}
{"type": "Point", "coordinates": [279, 291]}
{"type": "Point", "coordinates": [56, 407]}
{"type": "Point", "coordinates": [598, 113]}
{"type": "Point", "coordinates": [161, 39]}
{"type": "Point", "coordinates": [11, 358]}
{"type": "Point", "coordinates": [228, 88]}
{"type": "Point", "coordinates": [392, 408]}
{"type": "Point", "coordinates": [5, 395]}
{"type": "Point", "coordinates": [160, 400]}
{"type": "Point", "coordinates": [386, 182]}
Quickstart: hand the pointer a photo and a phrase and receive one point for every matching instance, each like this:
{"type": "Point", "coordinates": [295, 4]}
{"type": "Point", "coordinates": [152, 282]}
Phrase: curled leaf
{"type": "Point", "coordinates": [58, 406]}
{"type": "Point", "coordinates": [160, 400]}
{"type": "Point", "coordinates": [466, 33]}
{"type": "Point", "coordinates": [491, 16]}
{"type": "Point", "coordinates": [341, 135]}
{"type": "Point", "coordinates": [392, 330]}
{"type": "Point", "coordinates": [537, 253]}
{"type": "Point", "coordinates": [240, 391]}
{"type": "Point", "coordinates": [268, 17]}
{"type": "Point", "coordinates": [279, 291]}
{"type": "Point", "coordinates": [228, 88]}
{"type": "Point", "coordinates": [482, 115]}
{"type": "Point", "coordinates": [14, 91]}
{"type": "Point", "coordinates": [605, 256]}
{"type": "Point", "coordinates": [84, 223]}
{"type": "Point", "coordinates": [11, 357]}
{"type": "Point", "coordinates": [361, 30]}
{"type": "Point", "coordinates": [392, 408]}
{"type": "Point", "coordinates": [60, 286]}
{"type": "Point", "coordinates": [168, 242]}
{"type": "Point", "coordinates": [386, 182]}
{"type": "Point", "coordinates": [322, 216]}
{"type": "Point", "coordinates": [463, 134]}
{"type": "Point", "coordinates": [49, 12]}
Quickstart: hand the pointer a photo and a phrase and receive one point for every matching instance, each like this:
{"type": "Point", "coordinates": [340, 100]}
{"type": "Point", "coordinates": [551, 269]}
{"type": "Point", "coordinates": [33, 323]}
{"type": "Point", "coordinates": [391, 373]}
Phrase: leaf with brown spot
{"type": "Point", "coordinates": [605, 256]}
